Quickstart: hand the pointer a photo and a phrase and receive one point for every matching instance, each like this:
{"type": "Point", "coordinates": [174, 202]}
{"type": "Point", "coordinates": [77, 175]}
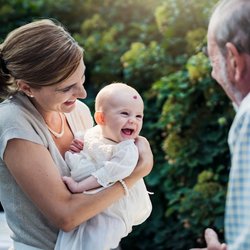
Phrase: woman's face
{"type": "Point", "coordinates": [61, 97]}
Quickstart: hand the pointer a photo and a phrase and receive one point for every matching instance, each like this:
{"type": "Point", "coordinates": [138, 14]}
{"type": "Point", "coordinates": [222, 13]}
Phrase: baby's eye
{"type": "Point", "coordinates": [124, 113]}
{"type": "Point", "coordinates": [139, 116]}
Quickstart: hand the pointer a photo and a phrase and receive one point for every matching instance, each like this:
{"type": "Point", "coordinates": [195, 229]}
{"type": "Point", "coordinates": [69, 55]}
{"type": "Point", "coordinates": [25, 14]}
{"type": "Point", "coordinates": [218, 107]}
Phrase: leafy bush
{"type": "Point", "coordinates": [192, 131]}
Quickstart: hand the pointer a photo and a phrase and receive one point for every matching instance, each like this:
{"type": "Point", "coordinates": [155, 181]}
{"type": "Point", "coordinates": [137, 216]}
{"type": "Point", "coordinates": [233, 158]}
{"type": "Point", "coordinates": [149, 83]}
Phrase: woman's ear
{"type": "Point", "coordinates": [25, 88]}
{"type": "Point", "coordinates": [236, 61]}
{"type": "Point", "coordinates": [99, 117]}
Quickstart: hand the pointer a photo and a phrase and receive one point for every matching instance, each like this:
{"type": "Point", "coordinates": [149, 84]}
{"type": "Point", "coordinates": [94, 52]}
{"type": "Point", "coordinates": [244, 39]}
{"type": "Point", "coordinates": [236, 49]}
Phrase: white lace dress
{"type": "Point", "coordinates": [108, 162]}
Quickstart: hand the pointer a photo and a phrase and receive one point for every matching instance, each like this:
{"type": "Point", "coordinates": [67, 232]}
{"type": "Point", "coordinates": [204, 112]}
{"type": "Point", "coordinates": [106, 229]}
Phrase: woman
{"type": "Point", "coordinates": [42, 74]}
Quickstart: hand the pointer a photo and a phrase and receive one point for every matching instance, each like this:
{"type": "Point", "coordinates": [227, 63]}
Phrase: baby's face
{"type": "Point", "coordinates": [123, 118]}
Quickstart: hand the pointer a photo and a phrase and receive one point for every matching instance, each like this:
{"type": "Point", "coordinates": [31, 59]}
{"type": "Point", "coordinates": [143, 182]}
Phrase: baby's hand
{"type": "Point", "coordinates": [76, 146]}
{"type": "Point", "coordinates": [71, 184]}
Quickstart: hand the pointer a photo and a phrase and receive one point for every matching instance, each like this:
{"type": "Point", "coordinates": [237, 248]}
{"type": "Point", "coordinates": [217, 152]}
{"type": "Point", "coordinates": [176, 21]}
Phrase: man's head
{"type": "Point", "coordinates": [229, 47]}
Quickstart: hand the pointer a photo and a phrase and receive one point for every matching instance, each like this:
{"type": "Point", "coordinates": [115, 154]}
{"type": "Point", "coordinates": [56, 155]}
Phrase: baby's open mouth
{"type": "Point", "coordinates": [127, 131]}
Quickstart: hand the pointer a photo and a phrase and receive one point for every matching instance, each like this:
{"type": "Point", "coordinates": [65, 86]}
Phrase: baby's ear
{"type": "Point", "coordinates": [99, 117]}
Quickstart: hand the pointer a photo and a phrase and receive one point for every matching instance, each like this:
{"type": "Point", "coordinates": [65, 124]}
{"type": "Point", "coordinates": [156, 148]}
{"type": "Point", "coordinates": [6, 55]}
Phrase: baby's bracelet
{"type": "Point", "coordinates": [124, 187]}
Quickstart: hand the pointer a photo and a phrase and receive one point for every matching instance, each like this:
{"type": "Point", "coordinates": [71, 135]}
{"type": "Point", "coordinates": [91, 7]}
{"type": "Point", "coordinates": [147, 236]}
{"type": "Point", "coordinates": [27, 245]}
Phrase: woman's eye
{"type": "Point", "coordinates": [66, 89]}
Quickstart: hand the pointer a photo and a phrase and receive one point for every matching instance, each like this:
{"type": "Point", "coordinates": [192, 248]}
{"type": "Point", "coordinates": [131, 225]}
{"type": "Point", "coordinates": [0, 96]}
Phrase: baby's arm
{"type": "Point", "coordinates": [81, 186]}
{"type": "Point", "coordinates": [121, 164]}
{"type": "Point", "coordinates": [118, 167]}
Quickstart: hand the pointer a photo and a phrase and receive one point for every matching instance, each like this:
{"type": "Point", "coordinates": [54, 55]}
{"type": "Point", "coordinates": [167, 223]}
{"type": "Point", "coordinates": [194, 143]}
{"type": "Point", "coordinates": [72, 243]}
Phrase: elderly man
{"type": "Point", "coordinates": [229, 52]}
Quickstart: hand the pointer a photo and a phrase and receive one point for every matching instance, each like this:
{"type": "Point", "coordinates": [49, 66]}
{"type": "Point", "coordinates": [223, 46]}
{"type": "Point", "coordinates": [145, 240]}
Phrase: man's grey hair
{"type": "Point", "coordinates": [231, 23]}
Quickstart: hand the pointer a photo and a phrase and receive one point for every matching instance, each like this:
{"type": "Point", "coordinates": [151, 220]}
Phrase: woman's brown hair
{"type": "Point", "coordinates": [41, 53]}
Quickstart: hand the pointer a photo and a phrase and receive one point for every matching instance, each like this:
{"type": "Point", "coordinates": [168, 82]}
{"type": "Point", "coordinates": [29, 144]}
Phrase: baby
{"type": "Point", "coordinates": [108, 156]}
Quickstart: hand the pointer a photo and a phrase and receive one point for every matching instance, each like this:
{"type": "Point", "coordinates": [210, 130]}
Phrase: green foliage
{"type": "Point", "coordinates": [11, 18]}
{"type": "Point", "coordinates": [108, 33]}
{"type": "Point", "coordinates": [155, 46]}
{"type": "Point", "coordinates": [198, 67]}
{"type": "Point", "coordinates": [195, 38]}
{"type": "Point", "coordinates": [142, 64]}
{"type": "Point", "coordinates": [175, 18]}
{"type": "Point", "coordinates": [193, 125]}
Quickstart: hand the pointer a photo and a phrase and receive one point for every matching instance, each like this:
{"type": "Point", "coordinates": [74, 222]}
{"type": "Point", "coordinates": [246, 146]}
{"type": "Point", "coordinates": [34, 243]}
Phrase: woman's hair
{"type": "Point", "coordinates": [41, 53]}
{"type": "Point", "coordinates": [234, 24]}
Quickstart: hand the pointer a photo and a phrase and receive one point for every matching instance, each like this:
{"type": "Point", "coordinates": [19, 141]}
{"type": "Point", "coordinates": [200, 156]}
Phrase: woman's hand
{"type": "Point", "coordinates": [145, 155]}
{"type": "Point", "coordinates": [145, 162]}
{"type": "Point", "coordinates": [212, 241]}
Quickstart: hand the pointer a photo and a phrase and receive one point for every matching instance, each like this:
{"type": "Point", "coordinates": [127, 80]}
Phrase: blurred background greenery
{"type": "Point", "coordinates": [157, 46]}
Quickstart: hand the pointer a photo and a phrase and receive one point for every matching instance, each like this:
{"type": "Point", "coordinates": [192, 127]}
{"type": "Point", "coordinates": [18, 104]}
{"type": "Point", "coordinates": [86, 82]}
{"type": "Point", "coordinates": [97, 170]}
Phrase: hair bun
{"type": "Point", "coordinates": [3, 64]}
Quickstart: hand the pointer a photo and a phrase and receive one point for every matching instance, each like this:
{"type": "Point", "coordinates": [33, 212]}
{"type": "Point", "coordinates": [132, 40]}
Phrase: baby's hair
{"type": "Point", "coordinates": [110, 90]}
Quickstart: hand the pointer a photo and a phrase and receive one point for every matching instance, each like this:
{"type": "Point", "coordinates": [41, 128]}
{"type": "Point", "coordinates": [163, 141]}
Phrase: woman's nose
{"type": "Point", "coordinates": [81, 92]}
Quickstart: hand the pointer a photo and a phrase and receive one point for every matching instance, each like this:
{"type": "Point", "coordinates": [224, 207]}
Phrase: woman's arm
{"type": "Point", "coordinates": [36, 173]}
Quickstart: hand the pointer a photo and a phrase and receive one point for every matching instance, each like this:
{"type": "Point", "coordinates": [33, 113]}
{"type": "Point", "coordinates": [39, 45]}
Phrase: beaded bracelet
{"type": "Point", "coordinates": [124, 187]}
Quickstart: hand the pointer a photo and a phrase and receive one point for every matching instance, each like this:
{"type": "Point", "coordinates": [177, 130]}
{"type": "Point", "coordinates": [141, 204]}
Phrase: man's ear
{"type": "Point", "coordinates": [99, 117]}
{"type": "Point", "coordinates": [25, 88]}
{"type": "Point", "coordinates": [236, 61]}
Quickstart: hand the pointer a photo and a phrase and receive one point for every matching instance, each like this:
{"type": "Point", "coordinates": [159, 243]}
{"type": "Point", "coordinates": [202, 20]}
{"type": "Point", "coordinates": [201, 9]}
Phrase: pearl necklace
{"type": "Point", "coordinates": [57, 135]}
